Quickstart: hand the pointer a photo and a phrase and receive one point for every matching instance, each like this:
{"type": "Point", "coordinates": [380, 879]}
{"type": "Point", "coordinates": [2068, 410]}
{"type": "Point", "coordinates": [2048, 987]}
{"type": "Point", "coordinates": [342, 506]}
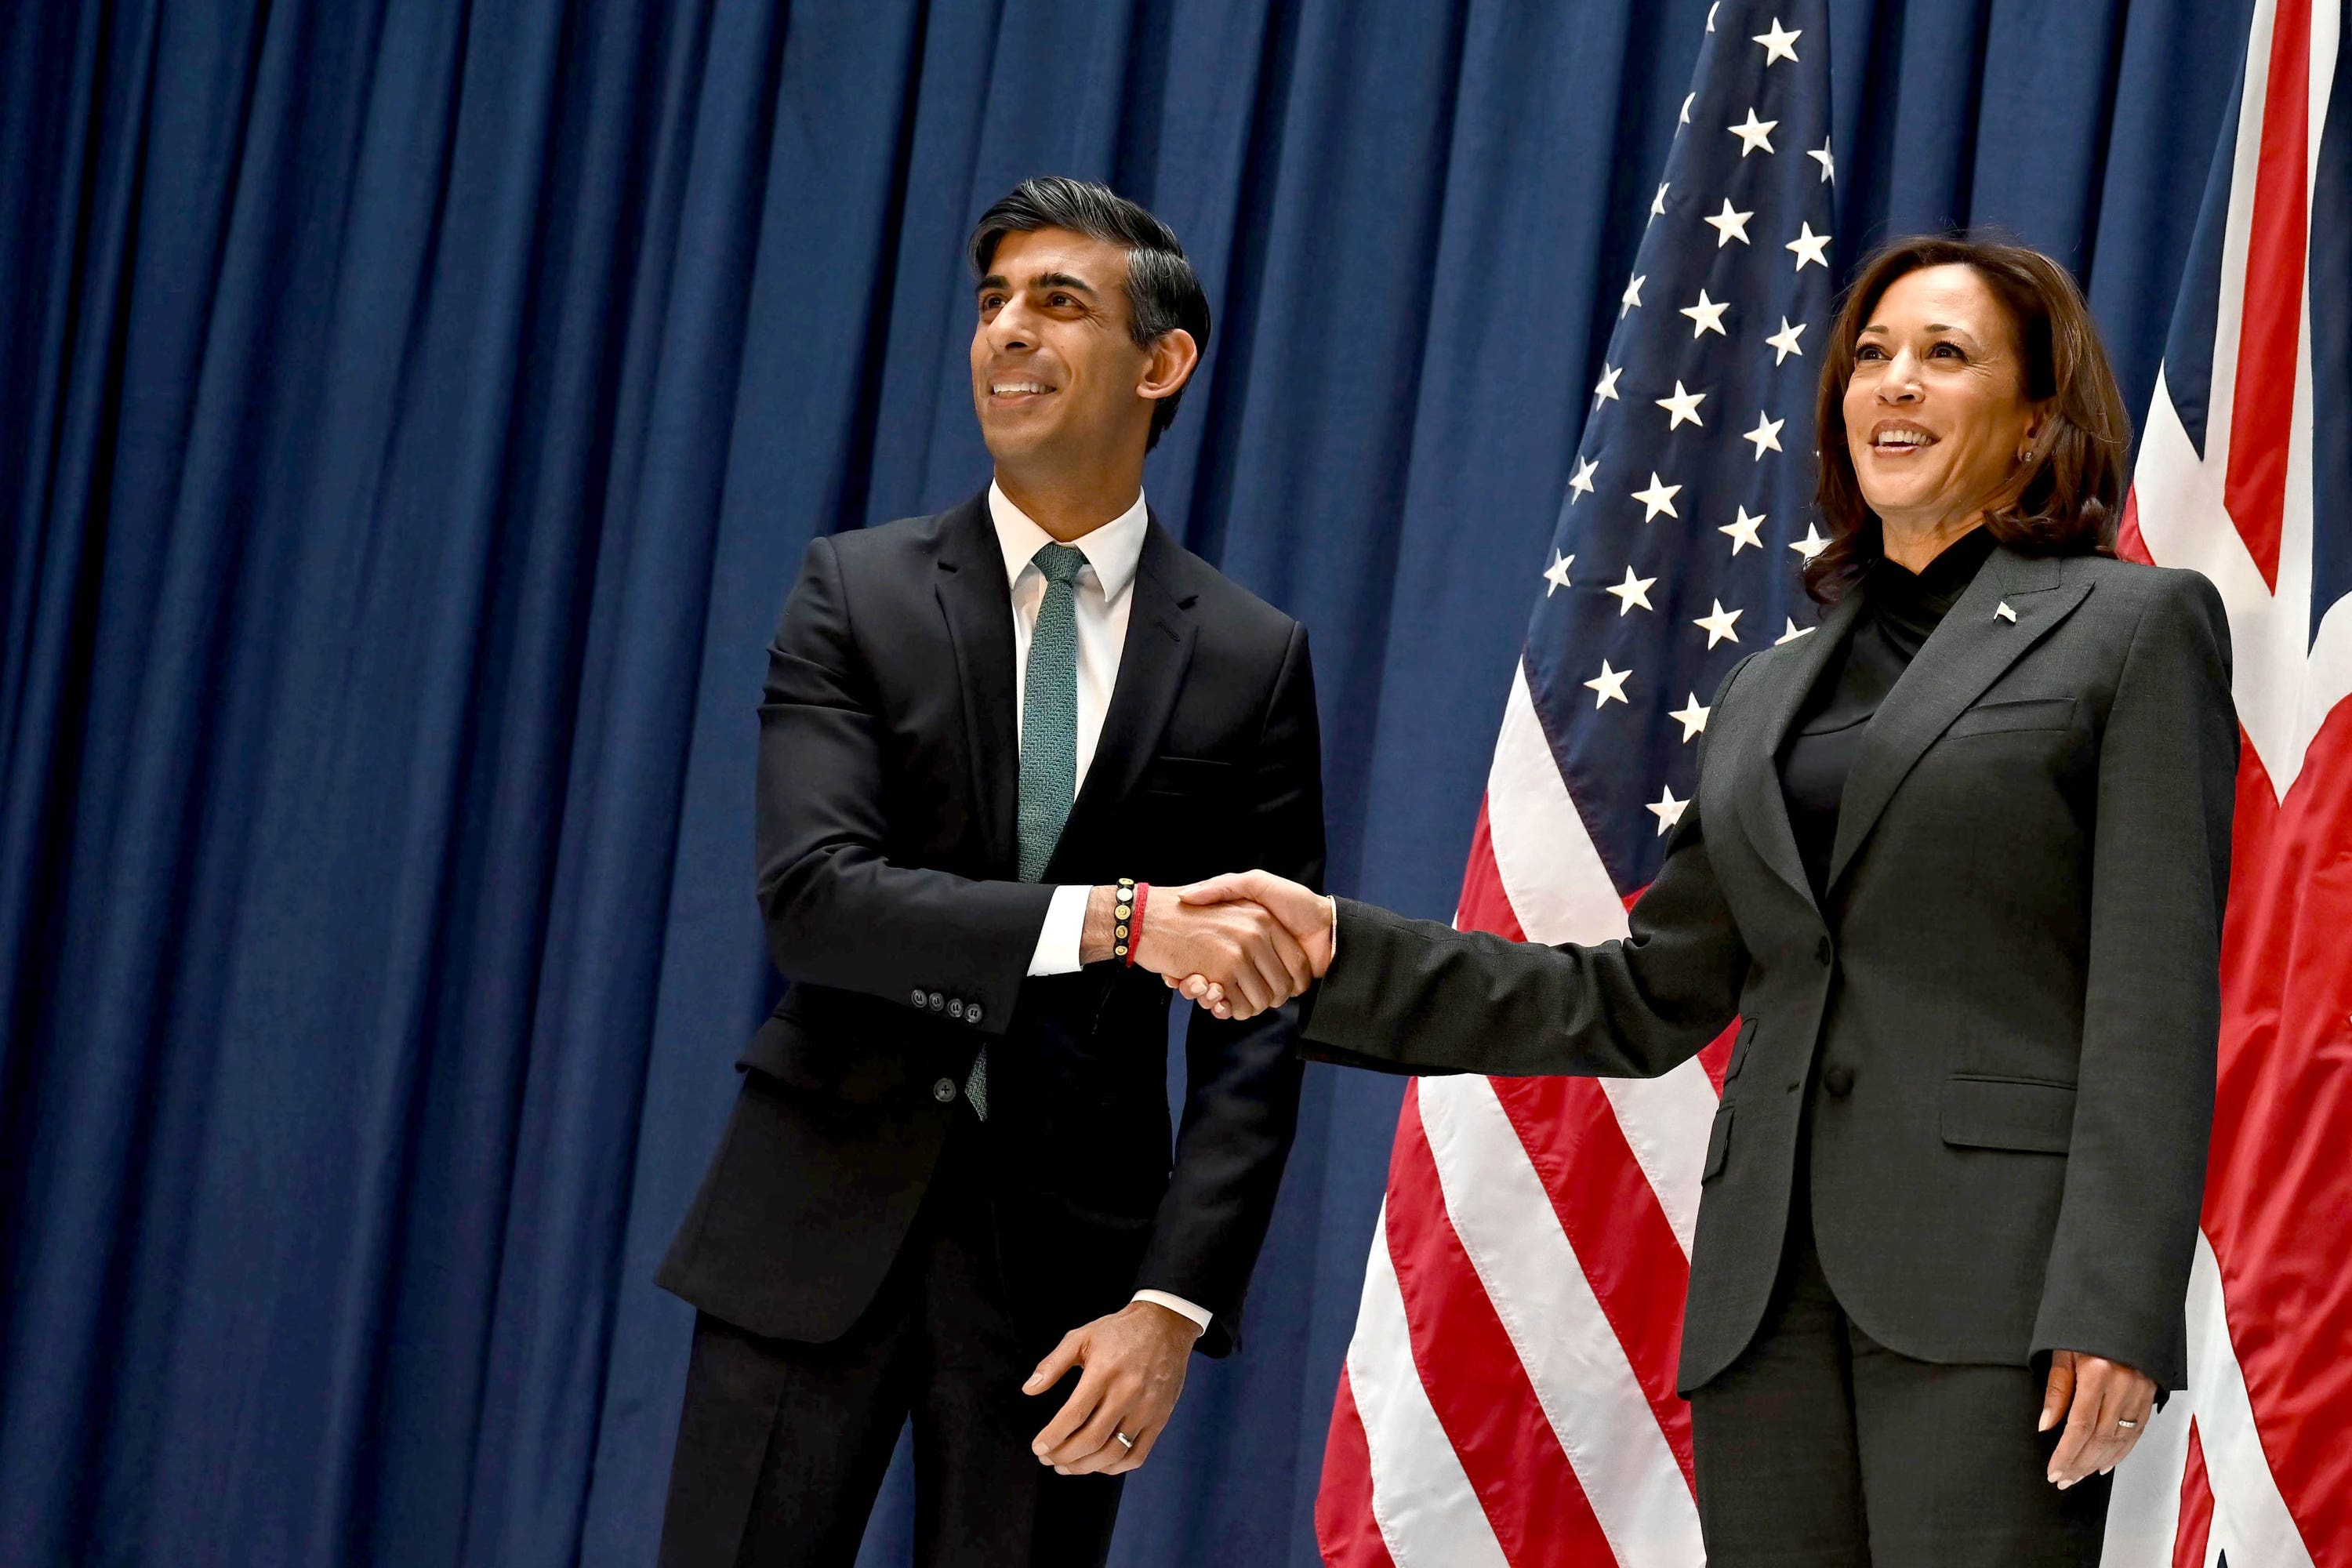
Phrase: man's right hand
{"type": "Point", "coordinates": [1305, 916]}
{"type": "Point", "coordinates": [1240, 947]}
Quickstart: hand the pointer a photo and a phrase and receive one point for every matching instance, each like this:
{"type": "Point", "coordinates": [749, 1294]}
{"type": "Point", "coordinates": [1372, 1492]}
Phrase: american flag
{"type": "Point", "coordinates": [1508, 1397]}
{"type": "Point", "coordinates": [2246, 474]}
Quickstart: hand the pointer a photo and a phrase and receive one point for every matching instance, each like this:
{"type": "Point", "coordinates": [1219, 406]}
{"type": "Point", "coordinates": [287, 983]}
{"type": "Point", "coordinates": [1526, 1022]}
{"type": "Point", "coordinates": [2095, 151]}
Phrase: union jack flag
{"type": "Point", "coordinates": [2246, 474]}
{"type": "Point", "coordinates": [1509, 1394]}
{"type": "Point", "coordinates": [1508, 1397]}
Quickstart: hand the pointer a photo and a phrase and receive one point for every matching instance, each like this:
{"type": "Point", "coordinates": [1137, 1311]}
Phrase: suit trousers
{"type": "Point", "coordinates": [1820, 1447]}
{"type": "Point", "coordinates": [783, 1445]}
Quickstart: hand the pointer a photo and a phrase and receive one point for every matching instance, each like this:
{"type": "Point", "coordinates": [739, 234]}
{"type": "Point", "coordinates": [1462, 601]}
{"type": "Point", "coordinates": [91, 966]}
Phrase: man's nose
{"type": "Point", "coordinates": [1011, 331]}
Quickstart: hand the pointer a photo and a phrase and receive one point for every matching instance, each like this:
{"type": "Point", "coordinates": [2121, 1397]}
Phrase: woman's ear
{"type": "Point", "coordinates": [1169, 364]}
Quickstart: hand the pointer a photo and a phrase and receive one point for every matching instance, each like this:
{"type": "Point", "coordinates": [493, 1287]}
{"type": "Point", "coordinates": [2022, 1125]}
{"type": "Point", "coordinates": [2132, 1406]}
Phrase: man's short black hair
{"type": "Point", "coordinates": [1164, 292]}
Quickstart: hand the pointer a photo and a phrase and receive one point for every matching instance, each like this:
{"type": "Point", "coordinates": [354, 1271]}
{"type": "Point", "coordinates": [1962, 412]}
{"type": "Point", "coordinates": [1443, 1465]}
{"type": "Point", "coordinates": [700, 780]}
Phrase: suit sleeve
{"type": "Point", "coordinates": [837, 911]}
{"type": "Point", "coordinates": [1416, 996]}
{"type": "Point", "coordinates": [1241, 1103]}
{"type": "Point", "coordinates": [2127, 1229]}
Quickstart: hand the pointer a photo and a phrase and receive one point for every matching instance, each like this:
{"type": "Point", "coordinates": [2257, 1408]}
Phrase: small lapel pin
{"type": "Point", "coordinates": [2005, 612]}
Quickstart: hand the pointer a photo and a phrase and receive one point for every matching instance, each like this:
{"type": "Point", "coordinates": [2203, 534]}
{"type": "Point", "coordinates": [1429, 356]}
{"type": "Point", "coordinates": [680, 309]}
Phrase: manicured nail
{"type": "Point", "coordinates": [2053, 1479]}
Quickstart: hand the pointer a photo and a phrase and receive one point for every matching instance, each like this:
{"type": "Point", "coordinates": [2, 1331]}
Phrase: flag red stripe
{"type": "Point", "coordinates": [2277, 1186]}
{"type": "Point", "coordinates": [1475, 1381]}
{"type": "Point", "coordinates": [2263, 404]}
{"type": "Point", "coordinates": [1483, 906]}
{"type": "Point", "coordinates": [1345, 1531]}
{"type": "Point", "coordinates": [1612, 1220]}
{"type": "Point", "coordinates": [2196, 1506]}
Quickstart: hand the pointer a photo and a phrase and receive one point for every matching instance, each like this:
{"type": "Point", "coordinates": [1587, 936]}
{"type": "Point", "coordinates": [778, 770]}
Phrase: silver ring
{"type": "Point", "coordinates": [1124, 1440]}
{"type": "Point", "coordinates": [2124, 1426]}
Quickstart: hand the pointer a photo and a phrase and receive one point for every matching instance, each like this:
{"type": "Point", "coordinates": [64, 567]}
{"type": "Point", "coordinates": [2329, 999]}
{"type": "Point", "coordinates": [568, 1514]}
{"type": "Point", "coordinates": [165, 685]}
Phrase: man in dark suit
{"type": "Point", "coordinates": [947, 1191]}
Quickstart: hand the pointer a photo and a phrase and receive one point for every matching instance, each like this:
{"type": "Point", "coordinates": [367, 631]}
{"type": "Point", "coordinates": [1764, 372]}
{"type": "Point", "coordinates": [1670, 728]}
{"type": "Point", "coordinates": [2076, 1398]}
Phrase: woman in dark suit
{"type": "Point", "coordinates": [1957, 863]}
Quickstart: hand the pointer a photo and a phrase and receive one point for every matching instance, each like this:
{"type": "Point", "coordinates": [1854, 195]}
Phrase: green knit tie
{"type": "Point", "coordinates": [1049, 738]}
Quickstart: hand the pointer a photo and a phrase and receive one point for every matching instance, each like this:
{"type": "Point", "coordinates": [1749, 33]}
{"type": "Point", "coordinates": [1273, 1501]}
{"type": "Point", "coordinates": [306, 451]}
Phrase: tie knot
{"type": "Point", "coordinates": [1059, 561]}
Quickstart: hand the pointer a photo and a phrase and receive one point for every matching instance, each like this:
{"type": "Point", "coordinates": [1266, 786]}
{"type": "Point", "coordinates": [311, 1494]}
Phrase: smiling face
{"type": "Point", "coordinates": [1936, 411]}
{"type": "Point", "coordinates": [1057, 375]}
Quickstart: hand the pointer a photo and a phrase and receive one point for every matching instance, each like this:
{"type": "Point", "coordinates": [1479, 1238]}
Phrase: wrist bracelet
{"type": "Point", "coordinates": [1126, 915]}
{"type": "Point", "coordinates": [1122, 914]}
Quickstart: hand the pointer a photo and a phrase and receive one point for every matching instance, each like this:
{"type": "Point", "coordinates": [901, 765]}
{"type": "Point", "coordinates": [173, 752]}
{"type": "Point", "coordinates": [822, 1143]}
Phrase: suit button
{"type": "Point", "coordinates": [972, 1013]}
{"type": "Point", "coordinates": [955, 1006]}
{"type": "Point", "coordinates": [1838, 1079]}
{"type": "Point", "coordinates": [943, 1090]}
{"type": "Point", "coordinates": [1822, 951]}
{"type": "Point", "coordinates": [938, 1002]}
{"type": "Point", "coordinates": [919, 997]}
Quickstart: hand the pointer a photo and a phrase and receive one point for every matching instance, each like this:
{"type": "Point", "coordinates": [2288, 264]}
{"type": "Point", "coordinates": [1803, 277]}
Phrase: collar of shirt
{"type": "Point", "coordinates": [1113, 549]}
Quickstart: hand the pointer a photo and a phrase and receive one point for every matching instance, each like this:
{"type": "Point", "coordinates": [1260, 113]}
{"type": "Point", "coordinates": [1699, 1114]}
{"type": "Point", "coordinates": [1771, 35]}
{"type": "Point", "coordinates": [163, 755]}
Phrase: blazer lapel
{"type": "Point", "coordinates": [1965, 654]}
{"type": "Point", "coordinates": [1763, 808]}
{"type": "Point", "coordinates": [978, 604]}
{"type": "Point", "coordinates": [1151, 664]}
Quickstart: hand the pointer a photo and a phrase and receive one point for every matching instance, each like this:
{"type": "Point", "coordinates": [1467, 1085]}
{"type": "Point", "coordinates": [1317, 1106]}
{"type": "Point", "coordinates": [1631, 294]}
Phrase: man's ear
{"type": "Point", "coordinates": [1169, 364]}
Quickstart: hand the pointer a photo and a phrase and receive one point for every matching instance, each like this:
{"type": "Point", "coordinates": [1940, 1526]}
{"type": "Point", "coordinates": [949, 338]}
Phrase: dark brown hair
{"type": "Point", "coordinates": [2073, 494]}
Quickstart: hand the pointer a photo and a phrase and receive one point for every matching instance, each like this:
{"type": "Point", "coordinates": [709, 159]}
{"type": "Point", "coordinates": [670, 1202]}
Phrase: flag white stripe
{"type": "Point", "coordinates": [1572, 1356]}
{"type": "Point", "coordinates": [1544, 854]}
{"type": "Point", "coordinates": [1421, 1498]}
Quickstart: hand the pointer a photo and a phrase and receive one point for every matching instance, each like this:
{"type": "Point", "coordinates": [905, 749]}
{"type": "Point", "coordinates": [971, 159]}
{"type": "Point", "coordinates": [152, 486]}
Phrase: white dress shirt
{"type": "Point", "coordinates": [1104, 592]}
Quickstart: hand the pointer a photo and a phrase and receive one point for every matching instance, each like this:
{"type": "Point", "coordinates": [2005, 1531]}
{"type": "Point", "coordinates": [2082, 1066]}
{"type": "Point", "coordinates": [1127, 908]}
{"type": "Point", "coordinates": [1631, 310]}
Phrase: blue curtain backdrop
{"type": "Point", "coordinates": [411, 414]}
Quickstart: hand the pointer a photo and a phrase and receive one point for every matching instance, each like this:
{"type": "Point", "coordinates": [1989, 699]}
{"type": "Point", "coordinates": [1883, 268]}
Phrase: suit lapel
{"type": "Point", "coordinates": [1151, 665]}
{"type": "Point", "coordinates": [978, 604]}
{"type": "Point", "coordinates": [1965, 654]}
{"type": "Point", "coordinates": [1763, 807]}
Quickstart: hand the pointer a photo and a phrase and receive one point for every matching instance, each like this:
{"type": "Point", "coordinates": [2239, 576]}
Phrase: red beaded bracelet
{"type": "Point", "coordinates": [1127, 917]}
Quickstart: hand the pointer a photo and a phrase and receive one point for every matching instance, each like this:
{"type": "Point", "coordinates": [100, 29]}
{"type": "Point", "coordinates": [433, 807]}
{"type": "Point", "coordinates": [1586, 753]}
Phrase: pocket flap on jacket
{"type": "Point", "coordinates": [1718, 1144]}
{"type": "Point", "coordinates": [2008, 1113]}
{"type": "Point", "coordinates": [2029, 714]}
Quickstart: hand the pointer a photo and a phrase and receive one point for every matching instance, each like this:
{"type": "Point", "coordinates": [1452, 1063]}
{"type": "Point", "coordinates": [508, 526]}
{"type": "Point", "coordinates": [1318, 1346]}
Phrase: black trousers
{"type": "Point", "coordinates": [1822, 1447]}
{"type": "Point", "coordinates": [781, 1446]}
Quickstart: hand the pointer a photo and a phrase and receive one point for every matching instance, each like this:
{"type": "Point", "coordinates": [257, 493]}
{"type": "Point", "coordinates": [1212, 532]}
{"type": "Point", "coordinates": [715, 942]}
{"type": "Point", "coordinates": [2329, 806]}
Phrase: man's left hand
{"type": "Point", "coordinates": [1133, 1366]}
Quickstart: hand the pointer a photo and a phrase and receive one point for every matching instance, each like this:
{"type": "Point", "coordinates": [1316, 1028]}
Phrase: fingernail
{"type": "Point", "coordinates": [2053, 1479]}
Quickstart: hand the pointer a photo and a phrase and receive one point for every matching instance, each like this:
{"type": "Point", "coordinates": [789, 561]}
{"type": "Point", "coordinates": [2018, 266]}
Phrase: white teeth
{"type": "Point", "coordinates": [1007, 387]}
{"type": "Point", "coordinates": [1904, 438]}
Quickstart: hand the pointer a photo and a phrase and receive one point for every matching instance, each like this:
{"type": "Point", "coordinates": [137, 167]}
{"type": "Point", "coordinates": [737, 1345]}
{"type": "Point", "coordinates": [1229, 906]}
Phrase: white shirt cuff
{"type": "Point", "coordinates": [1178, 1305]}
{"type": "Point", "coordinates": [1065, 929]}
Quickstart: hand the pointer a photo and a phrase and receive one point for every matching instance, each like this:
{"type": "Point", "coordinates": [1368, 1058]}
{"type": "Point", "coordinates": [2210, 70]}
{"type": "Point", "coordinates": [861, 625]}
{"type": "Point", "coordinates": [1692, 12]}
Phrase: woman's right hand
{"type": "Point", "coordinates": [1309, 916]}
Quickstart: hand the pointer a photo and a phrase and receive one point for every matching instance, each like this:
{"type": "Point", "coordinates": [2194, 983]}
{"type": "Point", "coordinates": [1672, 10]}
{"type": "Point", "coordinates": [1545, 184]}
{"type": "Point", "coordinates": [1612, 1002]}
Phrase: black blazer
{"type": "Point", "coordinates": [2004, 1014]}
{"type": "Point", "coordinates": [889, 784]}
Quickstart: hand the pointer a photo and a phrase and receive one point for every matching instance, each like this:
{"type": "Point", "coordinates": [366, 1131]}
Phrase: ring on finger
{"type": "Point", "coordinates": [2124, 1426]}
{"type": "Point", "coordinates": [1124, 1441]}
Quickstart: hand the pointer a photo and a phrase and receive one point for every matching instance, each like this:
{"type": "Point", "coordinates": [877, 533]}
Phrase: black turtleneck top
{"type": "Point", "coordinates": [1899, 609]}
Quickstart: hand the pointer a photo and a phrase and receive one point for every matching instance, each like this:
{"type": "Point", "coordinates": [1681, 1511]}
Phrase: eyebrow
{"type": "Point", "coordinates": [1043, 281]}
{"type": "Point", "coordinates": [1930, 327]}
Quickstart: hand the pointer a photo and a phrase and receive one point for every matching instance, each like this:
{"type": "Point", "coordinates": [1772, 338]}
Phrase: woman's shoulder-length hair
{"type": "Point", "coordinates": [2073, 498]}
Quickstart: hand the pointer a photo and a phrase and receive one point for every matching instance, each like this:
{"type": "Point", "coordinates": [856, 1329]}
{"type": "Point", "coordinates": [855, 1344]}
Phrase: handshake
{"type": "Point", "coordinates": [1236, 944]}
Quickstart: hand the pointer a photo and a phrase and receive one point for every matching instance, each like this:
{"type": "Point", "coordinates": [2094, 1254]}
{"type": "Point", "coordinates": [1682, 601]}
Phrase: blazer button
{"type": "Point", "coordinates": [938, 1002]}
{"type": "Point", "coordinates": [943, 1090]}
{"type": "Point", "coordinates": [955, 1006]}
{"type": "Point", "coordinates": [919, 997]}
{"type": "Point", "coordinates": [972, 1013]}
{"type": "Point", "coordinates": [1838, 1079]}
{"type": "Point", "coordinates": [1822, 951]}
